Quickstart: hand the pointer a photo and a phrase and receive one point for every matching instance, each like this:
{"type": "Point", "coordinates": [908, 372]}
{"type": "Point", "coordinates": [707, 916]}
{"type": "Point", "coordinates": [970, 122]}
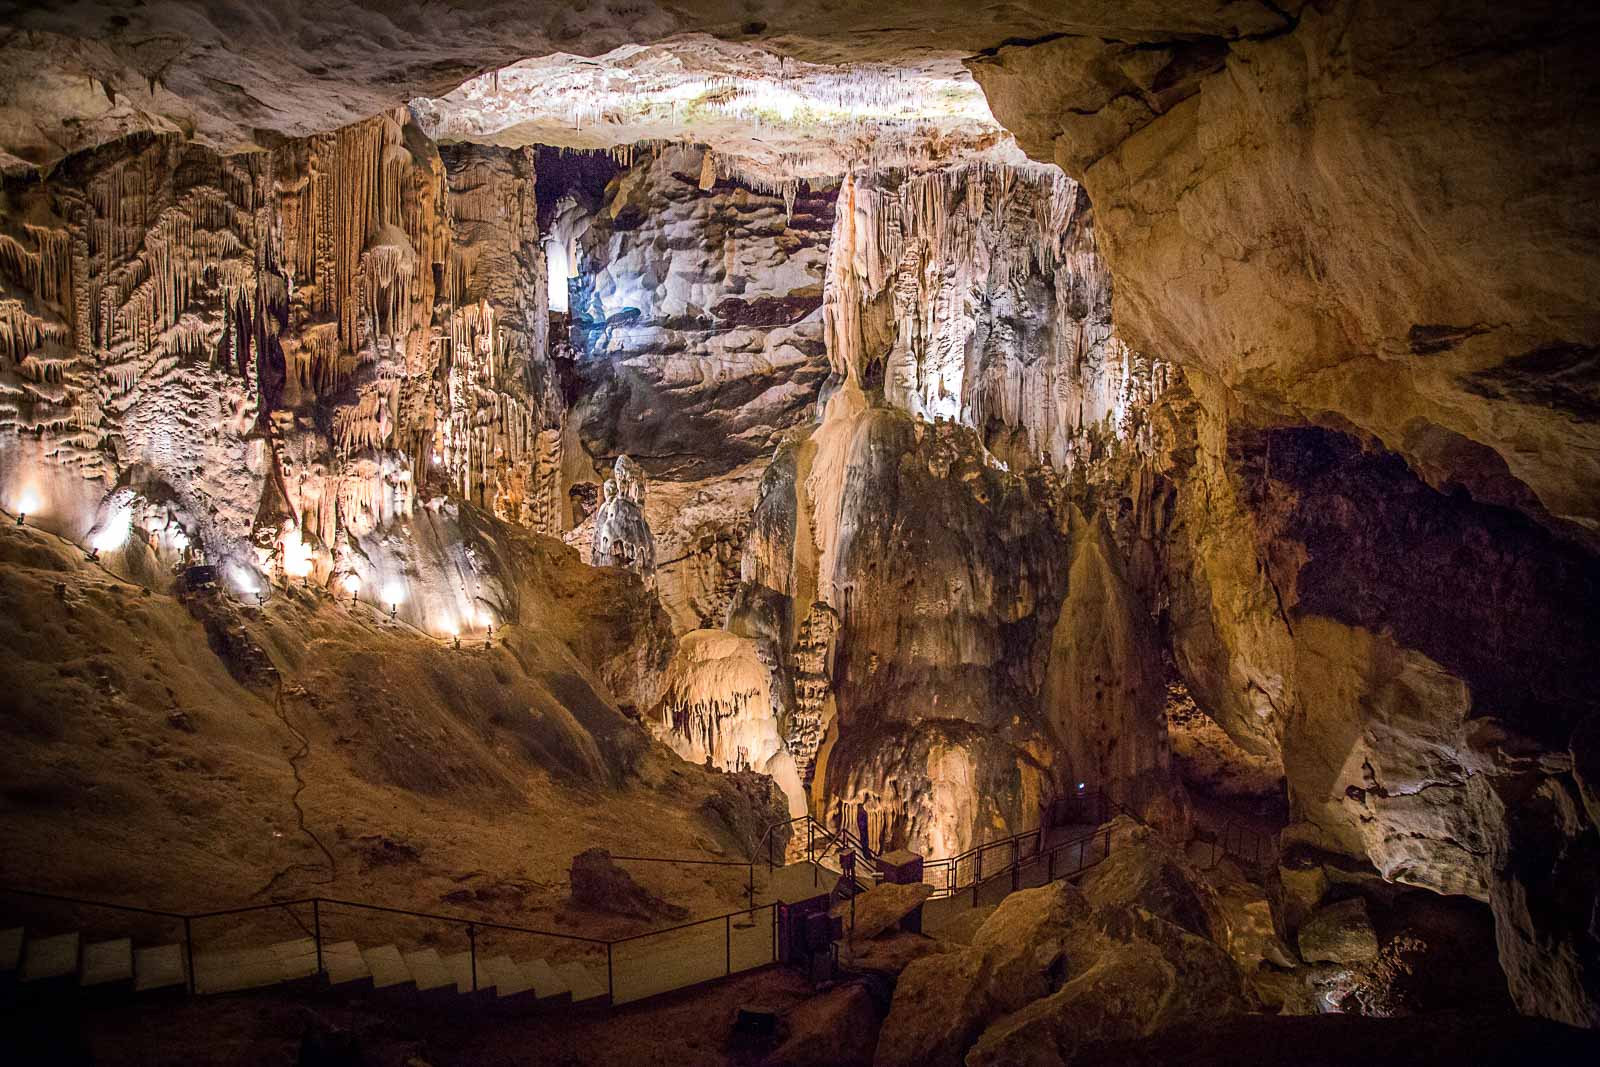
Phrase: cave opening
{"type": "Point", "coordinates": [924, 535]}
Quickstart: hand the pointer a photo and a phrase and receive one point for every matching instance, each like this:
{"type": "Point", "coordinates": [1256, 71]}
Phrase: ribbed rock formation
{"type": "Point", "coordinates": [913, 580]}
{"type": "Point", "coordinates": [267, 361]}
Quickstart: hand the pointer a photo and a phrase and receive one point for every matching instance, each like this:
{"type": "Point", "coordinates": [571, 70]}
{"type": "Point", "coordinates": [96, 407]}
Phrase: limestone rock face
{"type": "Point", "coordinates": [1141, 872]}
{"type": "Point", "coordinates": [1338, 933]}
{"type": "Point", "coordinates": [1053, 969]}
{"type": "Point", "coordinates": [598, 884]}
{"type": "Point", "coordinates": [271, 361]}
{"type": "Point", "coordinates": [717, 708]}
{"type": "Point", "coordinates": [913, 543]}
{"type": "Point", "coordinates": [698, 345]}
{"type": "Point", "coordinates": [236, 78]}
{"type": "Point", "coordinates": [882, 907]}
{"type": "Point", "coordinates": [621, 533]}
{"type": "Point", "coordinates": [1253, 208]}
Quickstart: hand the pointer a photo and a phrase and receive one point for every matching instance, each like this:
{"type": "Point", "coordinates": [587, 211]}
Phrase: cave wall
{"type": "Point", "coordinates": [269, 361]}
{"type": "Point", "coordinates": [909, 558]}
{"type": "Point", "coordinates": [1365, 237]}
{"type": "Point", "coordinates": [698, 340]}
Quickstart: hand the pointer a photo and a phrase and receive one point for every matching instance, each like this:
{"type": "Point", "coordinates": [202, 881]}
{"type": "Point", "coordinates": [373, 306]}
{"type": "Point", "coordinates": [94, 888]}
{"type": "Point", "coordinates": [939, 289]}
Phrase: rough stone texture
{"type": "Point", "coordinates": [621, 534]}
{"type": "Point", "coordinates": [1338, 933]}
{"type": "Point", "coordinates": [236, 76]}
{"type": "Point", "coordinates": [914, 544]}
{"type": "Point", "coordinates": [1053, 969]}
{"type": "Point", "coordinates": [598, 884]}
{"type": "Point", "coordinates": [269, 361]}
{"type": "Point", "coordinates": [698, 344]}
{"type": "Point", "coordinates": [766, 119]}
{"type": "Point", "coordinates": [755, 811]}
{"type": "Point", "coordinates": [1142, 872]}
{"type": "Point", "coordinates": [717, 708]}
{"type": "Point", "coordinates": [838, 1028]}
{"type": "Point", "coordinates": [881, 908]}
{"type": "Point", "coordinates": [1264, 231]}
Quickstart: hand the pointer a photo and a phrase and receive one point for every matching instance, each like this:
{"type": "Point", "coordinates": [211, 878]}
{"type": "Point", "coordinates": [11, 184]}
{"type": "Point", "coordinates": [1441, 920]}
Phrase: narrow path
{"type": "Point", "coordinates": [299, 812]}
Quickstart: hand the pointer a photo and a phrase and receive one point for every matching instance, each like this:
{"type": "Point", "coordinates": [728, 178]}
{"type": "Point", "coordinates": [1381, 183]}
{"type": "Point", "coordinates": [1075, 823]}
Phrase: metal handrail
{"type": "Point", "coordinates": [748, 865]}
{"type": "Point", "coordinates": [316, 904]}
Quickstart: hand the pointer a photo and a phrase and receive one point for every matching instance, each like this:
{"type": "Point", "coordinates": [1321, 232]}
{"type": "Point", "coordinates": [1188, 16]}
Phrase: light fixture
{"type": "Point", "coordinates": [394, 609]}
{"type": "Point", "coordinates": [261, 599]}
{"type": "Point", "coordinates": [22, 518]}
{"type": "Point", "coordinates": [92, 554]}
{"type": "Point", "coordinates": [457, 640]}
{"type": "Point", "coordinates": [352, 585]}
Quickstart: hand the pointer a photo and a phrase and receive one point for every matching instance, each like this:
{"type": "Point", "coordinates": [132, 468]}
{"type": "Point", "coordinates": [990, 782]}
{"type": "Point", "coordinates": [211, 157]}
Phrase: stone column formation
{"type": "Point", "coordinates": [621, 534]}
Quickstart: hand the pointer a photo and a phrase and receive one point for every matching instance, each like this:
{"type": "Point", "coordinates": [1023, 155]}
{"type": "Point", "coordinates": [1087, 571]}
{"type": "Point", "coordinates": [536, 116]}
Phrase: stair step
{"type": "Point", "coordinates": [10, 950]}
{"type": "Point", "coordinates": [460, 964]}
{"type": "Point", "coordinates": [297, 959]}
{"type": "Point", "coordinates": [344, 963]}
{"type": "Point", "coordinates": [105, 962]}
{"type": "Point", "coordinates": [584, 985]}
{"type": "Point", "coordinates": [505, 975]}
{"type": "Point", "coordinates": [50, 957]}
{"type": "Point", "coordinates": [547, 984]}
{"type": "Point", "coordinates": [236, 969]}
{"type": "Point", "coordinates": [158, 967]}
{"type": "Point", "coordinates": [429, 970]}
{"type": "Point", "coordinates": [387, 966]}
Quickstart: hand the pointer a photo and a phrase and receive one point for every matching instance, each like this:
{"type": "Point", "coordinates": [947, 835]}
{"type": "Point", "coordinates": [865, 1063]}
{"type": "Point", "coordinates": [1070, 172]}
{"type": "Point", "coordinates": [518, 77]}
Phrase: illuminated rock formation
{"type": "Point", "coordinates": [698, 343]}
{"type": "Point", "coordinates": [621, 534]}
{"type": "Point", "coordinates": [270, 361]}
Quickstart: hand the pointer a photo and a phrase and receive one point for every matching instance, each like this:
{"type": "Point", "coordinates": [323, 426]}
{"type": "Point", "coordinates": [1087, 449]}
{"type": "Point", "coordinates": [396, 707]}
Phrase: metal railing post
{"type": "Point", "coordinates": [611, 981]}
{"type": "Point", "coordinates": [811, 840]}
{"type": "Point", "coordinates": [316, 931]}
{"type": "Point", "coordinates": [751, 887]}
{"type": "Point", "coordinates": [1050, 867]}
{"type": "Point", "coordinates": [1108, 845]}
{"type": "Point", "coordinates": [188, 950]}
{"type": "Point", "coordinates": [1016, 868]}
{"type": "Point", "coordinates": [727, 933]}
{"type": "Point", "coordinates": [472, 952]}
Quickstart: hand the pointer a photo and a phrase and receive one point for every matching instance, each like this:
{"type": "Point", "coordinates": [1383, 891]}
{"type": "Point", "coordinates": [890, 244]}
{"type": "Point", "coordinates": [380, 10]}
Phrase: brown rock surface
{"type": "Point", "coordinates": [838, 1028]}
{"type": "Point", "coordinates": [1338, 933]}
{"type": "Point", "coordinates": [881, 908]}
{"type": "Point", "coordinates": [599, 884]}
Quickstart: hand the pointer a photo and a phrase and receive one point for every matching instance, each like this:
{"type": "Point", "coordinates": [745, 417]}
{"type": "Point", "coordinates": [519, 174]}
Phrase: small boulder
{"type": "Point", "coordinates": [1339, 933]}
{"type": "Point", "coordinates": [598, 884]}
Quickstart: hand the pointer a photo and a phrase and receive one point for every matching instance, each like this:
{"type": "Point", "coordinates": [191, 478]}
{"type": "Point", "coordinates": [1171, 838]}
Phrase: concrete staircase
{"type": "Point", "coordinates": [62, 961]}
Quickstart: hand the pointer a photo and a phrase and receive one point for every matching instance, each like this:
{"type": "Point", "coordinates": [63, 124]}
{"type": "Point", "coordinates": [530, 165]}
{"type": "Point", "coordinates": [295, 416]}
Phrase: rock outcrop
{"type": "Point", "coordinates": [1055, 969]}
{"type": "Point", "coordinates": [598, 884]}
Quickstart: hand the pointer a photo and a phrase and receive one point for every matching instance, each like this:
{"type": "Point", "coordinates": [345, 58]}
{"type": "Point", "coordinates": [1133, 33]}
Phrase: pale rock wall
{"type": "Point", "coordinates": [717, 708]}
{"type": "Point", "coordinates": [913, 580]}
{"type": "Point", "coordinates": [699, 343]}
{"type": "Point", "coordinates": [272, 362]}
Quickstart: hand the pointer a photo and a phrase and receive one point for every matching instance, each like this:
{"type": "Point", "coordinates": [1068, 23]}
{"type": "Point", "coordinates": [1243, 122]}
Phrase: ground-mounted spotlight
{"type": "Point", "coordinates": [22, 518]}
{"type": "Point", "coordinates": [394, 609]}
{"type": "Point", "coordinates": [352, 585]}
{"type": "Point", "coordinates": [261, 599]}
{"type": "Point", "coordinates": [92, 554]}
